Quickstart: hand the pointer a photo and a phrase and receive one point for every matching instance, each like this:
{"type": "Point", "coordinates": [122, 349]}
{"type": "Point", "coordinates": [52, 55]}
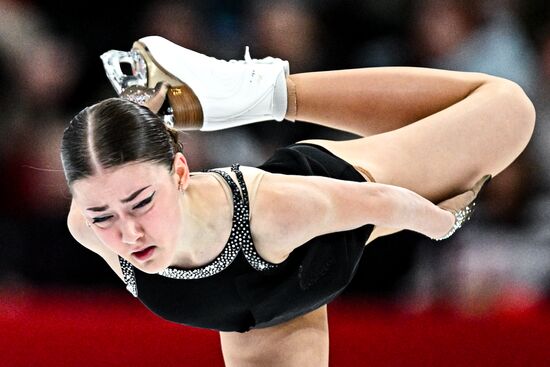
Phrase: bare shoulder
{"type": "Point", "coordinates": [85, 236]}
{"type": "Point", "coordinates": [287, 212]}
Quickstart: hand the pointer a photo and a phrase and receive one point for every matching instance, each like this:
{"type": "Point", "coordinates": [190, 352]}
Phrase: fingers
{"type": "Point", "coordinates": [155, 103]}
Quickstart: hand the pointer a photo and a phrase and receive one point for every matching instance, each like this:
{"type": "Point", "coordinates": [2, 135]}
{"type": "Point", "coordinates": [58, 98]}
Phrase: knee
{"type": "Point", "coordinates": [521, 111]}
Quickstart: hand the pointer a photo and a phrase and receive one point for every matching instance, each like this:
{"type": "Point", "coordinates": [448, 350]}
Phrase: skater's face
{"type": "Point", "coordinates": [135, 210]}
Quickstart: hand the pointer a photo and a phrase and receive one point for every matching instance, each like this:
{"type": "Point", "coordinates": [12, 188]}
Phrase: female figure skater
{"type": "Point", "coordinates": [258, 252]}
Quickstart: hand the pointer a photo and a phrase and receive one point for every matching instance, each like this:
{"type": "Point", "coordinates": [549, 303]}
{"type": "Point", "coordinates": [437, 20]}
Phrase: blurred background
{"type": "Point", "coordinates": [495, 271]}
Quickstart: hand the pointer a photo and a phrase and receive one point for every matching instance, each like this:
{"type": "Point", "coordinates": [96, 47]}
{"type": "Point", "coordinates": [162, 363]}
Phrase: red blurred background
{"type": "Point", "coordinates": [63, 328]}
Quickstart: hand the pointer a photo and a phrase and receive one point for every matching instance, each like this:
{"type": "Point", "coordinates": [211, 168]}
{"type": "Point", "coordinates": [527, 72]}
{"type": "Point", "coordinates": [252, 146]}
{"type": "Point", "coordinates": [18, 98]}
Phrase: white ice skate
{"type": "Point", "coordinates": [206, 93]}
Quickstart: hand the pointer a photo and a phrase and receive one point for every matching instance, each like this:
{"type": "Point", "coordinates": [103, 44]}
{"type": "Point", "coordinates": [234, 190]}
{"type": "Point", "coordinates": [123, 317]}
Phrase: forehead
{"type": "Point", "coordinates": [118, 182]}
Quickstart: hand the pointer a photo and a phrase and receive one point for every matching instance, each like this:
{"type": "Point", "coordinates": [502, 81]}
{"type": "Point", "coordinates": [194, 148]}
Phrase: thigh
{"type": "Point", "coordinates": [436, 161]}
{"type": "Point", "coordinates": [301, 342]}
{"type": "Point", "coordinates": [443, 154]}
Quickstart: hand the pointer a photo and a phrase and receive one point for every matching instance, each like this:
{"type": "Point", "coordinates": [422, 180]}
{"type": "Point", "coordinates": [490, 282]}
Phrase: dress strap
{"type": "Point", "coordinates": [248, 248]}
{"type": "Point", "coordinates": [239, 240]}
{"type": "Point", "coordinates": [128, 275]}
{"type": "Point", "coordinates": [241, 217]}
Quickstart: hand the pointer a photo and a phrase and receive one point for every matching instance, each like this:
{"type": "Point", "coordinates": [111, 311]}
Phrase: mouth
{"type": "Point", "coordinates": [144, 254]}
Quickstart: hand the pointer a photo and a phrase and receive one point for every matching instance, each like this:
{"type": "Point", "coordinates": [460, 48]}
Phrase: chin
{"type": "Point", "coordinates": [152, 266]}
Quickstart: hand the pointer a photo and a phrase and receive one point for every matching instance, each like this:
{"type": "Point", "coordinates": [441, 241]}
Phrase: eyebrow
{"type": "Point", "coordinates": [126, 200]}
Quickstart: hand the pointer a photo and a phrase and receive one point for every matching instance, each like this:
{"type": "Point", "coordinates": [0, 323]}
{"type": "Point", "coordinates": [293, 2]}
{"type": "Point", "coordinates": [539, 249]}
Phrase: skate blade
{"type": "Point", "coordinates": [185, 111]}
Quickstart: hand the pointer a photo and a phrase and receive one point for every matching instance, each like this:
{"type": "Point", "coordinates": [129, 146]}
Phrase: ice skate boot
{"type": "Point", "coordinates": [205, 93]}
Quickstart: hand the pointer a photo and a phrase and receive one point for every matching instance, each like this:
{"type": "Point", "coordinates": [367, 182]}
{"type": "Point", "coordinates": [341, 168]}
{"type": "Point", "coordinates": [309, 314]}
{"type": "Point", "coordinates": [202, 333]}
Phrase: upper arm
{"type": "Point", "coordinates": [291, 210]}
{"type": "Point", "coordinates": [86, 237]}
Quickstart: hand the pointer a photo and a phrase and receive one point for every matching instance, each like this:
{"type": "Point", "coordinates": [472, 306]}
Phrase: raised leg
{"type": "Point", "coordinates": [301, 342]}
{"type": "Point", "coordinates": [432, 131]}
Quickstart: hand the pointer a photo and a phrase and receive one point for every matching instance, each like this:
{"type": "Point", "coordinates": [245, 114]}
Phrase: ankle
{"type": "Point", "coordinates": [292, 106]}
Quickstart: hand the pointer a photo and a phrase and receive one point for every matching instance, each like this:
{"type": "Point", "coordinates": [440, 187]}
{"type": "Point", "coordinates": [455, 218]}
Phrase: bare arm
{"type": "Point", "coordinates": [86, 237]}
{"type": "Point", "coordinates": [306, 207]}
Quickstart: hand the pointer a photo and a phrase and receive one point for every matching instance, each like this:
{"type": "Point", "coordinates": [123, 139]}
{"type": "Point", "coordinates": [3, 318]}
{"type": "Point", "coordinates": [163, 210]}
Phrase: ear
{"type": "Point", "coordinates": [181, 171]}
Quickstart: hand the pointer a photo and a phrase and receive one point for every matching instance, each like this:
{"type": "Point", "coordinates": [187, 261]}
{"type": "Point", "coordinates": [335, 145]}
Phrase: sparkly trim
{"type": "Point", "coordinates": [129, 276]}
{"type": "Point", "coordinates": [137, 94]}
{"type": "Point", "coordinates": [223, 260]}
{"type": "Point", "coordinates": [247, 245]}
{"type": "Point", "coordinates": [239, 239]}
{"type": "Point", "coordinates": [461, 217]}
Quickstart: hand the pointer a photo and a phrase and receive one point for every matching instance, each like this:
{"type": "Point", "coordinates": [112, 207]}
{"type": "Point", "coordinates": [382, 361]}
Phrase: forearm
{"type": "Point", "coordinates": [375, 100]}
{"type": "Point", "coordinates": [351, 205]}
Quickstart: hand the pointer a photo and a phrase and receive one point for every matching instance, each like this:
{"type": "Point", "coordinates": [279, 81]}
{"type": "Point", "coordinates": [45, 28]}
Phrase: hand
{"type": "Point", "coordinates": [157, 100]}
{"type": "Point", "coordinates": [152, 98]}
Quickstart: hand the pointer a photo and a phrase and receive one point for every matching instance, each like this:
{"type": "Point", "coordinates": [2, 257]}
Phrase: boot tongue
{"type": "Point", "coordinates": [247, 57]}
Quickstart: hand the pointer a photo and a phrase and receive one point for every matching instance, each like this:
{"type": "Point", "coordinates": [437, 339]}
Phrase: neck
{"type": "Point", "coordinates": [206, 221]}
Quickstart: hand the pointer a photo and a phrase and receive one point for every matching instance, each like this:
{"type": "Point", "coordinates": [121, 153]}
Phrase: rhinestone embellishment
{"type": "Point", "coordinates": [129, 276]}
{"type": "Point", "coordinates": [240, 239]}
{"type": "Point", "coordinates": [461, 217]}
{"type": "Point", "coordinates": [138, 94]}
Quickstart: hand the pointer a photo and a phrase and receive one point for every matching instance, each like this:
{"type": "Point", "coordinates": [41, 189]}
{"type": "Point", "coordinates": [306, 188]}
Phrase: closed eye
{"type": "Point", "coordinates": [101, 219]}
{"type": "Point", "coordinates": [144, 202]}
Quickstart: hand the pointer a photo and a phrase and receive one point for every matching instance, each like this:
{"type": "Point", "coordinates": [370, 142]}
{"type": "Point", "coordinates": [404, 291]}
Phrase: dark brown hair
{"type": "Point", "coordinates": [114, 132]}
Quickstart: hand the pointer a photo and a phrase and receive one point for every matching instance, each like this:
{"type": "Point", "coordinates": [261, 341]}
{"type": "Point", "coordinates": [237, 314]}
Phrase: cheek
{"type": "Point", "coordinates": [161, 220]}
{"type": "Point", "coordinates": [110, 238]}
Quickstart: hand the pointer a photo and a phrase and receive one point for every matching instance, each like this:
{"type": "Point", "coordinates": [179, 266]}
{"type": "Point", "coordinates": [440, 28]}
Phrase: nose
{"type": "Point", "coordinates": [130, 232]}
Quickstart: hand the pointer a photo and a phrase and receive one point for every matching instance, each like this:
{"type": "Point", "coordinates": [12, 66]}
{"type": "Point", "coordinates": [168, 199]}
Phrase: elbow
{"type": "Point", "coordinates": [74, 222]}
{"type": "Point", "coordinates": [72, 225]}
